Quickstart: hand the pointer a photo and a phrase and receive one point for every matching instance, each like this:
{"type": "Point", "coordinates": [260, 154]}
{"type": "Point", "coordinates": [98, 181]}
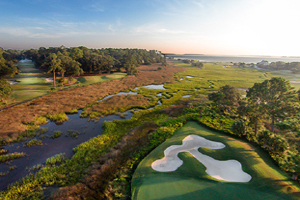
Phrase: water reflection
{"type": "Point", "coordinates": [39, 154]}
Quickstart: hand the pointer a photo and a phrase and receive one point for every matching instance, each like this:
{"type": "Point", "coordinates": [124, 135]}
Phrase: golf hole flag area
{"type": "Point", "coordinates": [197, 163]}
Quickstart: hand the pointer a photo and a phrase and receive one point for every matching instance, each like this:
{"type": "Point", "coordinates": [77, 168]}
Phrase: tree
{"type": "Point", "coordinates": [198, 64]}
{"type": "Point", "coordinates": [242, 65]}
{"type": "Point", "coordinates": [5, 89]}
{"type": "Point", "coordinates": [7, 67]}
{"type": "Point", "coordinates": [238, 127]}
{"type": "Point", "coordinates": [74, 69]}
{"type": "Point", "coordinates": [76, 53]}
{"type": "Point", "coordinates": [275, 97]}
{"type": "Point", "coordinates": [226, 98]}
{"type": "Point", "coordinates": [131, 65]}
{"type": "Point", "coordinates": [251, 111]}
{"type": "Point", "coordinates": [54, 65]}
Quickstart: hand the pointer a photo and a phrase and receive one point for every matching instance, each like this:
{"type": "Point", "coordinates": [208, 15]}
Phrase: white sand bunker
{"type": "Point", "coordinates": [229, 170]}
{"type": "Point", "coordinates": [12, 82]}
{"type": "Point", "coordinates": [48, 80]}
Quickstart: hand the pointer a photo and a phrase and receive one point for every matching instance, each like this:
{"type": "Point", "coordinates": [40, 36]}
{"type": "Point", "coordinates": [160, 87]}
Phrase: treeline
{"type": "Point", "coordinates": [293, 66]}
{"type": "Point", "coordinates": [79, 60]}
{"type": "Point", "coordinates": [7, 68]}
{"type": "Point", "coordinates": [269, 116]}
{"type": "Point", "coordinates": [8, 59]}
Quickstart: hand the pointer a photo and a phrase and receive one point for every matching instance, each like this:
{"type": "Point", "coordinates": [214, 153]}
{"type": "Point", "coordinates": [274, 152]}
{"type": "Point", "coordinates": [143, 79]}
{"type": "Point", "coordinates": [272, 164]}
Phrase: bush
{"type": "Point", "coordinates": [81, 79]}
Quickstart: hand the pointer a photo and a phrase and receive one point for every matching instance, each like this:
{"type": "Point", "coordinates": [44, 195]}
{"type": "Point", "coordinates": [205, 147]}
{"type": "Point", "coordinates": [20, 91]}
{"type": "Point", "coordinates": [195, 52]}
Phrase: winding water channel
{"type": "Point", "coordinates": [36, 155]}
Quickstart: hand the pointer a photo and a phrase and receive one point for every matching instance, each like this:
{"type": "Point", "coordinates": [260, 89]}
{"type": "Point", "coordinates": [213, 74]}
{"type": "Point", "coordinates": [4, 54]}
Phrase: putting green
{"type": "Point", "coordinates": [190, 181]}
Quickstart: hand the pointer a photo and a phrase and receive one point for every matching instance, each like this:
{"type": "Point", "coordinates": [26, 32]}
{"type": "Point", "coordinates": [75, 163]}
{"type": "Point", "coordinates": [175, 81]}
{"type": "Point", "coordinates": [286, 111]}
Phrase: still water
{"type": "Point", "coordinates": [245, 59]}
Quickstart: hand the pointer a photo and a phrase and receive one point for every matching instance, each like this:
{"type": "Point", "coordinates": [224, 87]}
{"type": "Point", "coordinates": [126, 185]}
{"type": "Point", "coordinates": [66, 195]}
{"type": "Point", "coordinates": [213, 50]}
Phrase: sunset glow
{"type": "Point", "coordinates": [219, 27]}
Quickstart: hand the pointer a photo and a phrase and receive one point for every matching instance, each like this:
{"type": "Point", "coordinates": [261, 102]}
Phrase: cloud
{"type": "Point", "coordinates": [151, 29]}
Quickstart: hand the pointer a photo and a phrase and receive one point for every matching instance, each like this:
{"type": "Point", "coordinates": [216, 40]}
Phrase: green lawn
{"type": "Point", "coordinates": [191, 182]}
{"type": "Point", "coordinates": [28, 67]}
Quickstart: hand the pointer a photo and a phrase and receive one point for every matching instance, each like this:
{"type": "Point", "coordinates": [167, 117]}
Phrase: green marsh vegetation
{"type": "Point", "coordinates": [33, 142]}
{"type": "Point", "coordinates": [11, 156]}
{"type": "Point", "coordinates": [56, 134]}
{"type": "Point", "coordinates": [57, 118]}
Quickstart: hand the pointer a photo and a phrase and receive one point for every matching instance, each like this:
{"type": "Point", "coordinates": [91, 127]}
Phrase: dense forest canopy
{"type": "Point", "coordinates": [93, 60]}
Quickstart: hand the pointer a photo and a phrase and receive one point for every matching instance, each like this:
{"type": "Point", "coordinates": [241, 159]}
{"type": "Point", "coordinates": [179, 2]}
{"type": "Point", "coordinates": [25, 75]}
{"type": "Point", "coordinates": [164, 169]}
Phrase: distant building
{"type": "Point", "coordinates": [264, 62]}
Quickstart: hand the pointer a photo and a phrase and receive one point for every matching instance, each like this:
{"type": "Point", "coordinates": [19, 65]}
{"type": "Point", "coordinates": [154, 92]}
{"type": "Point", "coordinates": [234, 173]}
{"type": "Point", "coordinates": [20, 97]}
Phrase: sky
{"type": "Point", "coordinates": [213, 27]}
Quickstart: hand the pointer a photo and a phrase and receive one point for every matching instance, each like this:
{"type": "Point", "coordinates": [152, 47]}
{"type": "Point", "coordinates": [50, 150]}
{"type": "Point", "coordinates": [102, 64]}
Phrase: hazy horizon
{"type": "Point", "coordinates": [210, 27]}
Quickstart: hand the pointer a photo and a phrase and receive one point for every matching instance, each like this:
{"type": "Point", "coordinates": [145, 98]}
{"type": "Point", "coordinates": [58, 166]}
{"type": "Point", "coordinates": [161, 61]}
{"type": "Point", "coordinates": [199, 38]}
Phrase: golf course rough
{"type": "Point", "coordinates": [229, 170]}
{"type": "Point", "coordinates": [192, 181]}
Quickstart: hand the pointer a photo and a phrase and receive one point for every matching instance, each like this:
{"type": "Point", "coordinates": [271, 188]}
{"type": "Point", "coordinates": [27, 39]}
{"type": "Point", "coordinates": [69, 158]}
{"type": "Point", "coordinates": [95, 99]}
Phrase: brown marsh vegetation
{"type": "Point", "coordinates": [118, 103]}
{"type": "Point", "coordinates": [13, 120]}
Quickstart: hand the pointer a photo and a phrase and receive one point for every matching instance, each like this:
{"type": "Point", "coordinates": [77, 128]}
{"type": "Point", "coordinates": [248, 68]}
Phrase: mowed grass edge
{"type": "Point", "coordinates": [190, 180]}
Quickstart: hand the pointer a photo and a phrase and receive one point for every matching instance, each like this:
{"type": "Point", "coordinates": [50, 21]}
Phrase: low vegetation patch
{"type": "Point", "coordinates": [56, 134]}
{"type": "Point", "coordinates": [58, 118]}
{"type": "Point", "coordinates": [33, 142]}
{"type": "Point", "coordinates": [118, 103]}
{"type": "Point", "coordinates": [11, 156]}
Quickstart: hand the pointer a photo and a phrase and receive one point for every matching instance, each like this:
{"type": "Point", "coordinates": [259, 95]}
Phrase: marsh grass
{"type": "Point", "coordinates": [56, 134]}
{"type": "Point", "coordinates": [55, 160]}
{"type": "Point", "coordinates": [115, 104]}
{"type": "Point", "coordinates": [73, 134]}
{"type": "Point", "coordinates": [33, 142]}
{"type": "Point", "coordinates": [74, 111]}
{"type": "Point", "coordinates": [11, 156]}
{"type": "Point", "coordinates": [58, 118]}
{"type": "Point", "coordinates": [40, 120]}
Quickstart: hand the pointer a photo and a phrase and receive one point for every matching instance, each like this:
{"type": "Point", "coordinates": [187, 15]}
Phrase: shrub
{"type": "Point", "coordinates": [81, 79]}
{"type": "Point", "coordinates": [56, 134]}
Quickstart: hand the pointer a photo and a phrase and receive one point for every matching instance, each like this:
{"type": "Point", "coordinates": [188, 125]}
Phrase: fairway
{"type": "Point", "coordinates": [190, 180]}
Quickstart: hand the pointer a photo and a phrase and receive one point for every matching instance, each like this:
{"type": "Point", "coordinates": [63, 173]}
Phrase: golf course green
{"type": "Point", "coordinates": [190, 181]}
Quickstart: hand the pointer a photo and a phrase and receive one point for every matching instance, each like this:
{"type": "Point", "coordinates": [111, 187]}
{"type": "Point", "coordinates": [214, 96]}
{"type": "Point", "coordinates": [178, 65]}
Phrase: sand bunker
{"type": "Point", "coordinates": [48, 80]}
{"type": "Point", "coordinates": [12, 82]}
{"type": "Point", "coordinates": [229, 170]}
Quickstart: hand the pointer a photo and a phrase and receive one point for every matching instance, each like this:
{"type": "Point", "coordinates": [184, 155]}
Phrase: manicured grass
{"type": "Point", "coordinates": [28, 67]}
{"type": "Point", "coordinates": [191, 182]}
